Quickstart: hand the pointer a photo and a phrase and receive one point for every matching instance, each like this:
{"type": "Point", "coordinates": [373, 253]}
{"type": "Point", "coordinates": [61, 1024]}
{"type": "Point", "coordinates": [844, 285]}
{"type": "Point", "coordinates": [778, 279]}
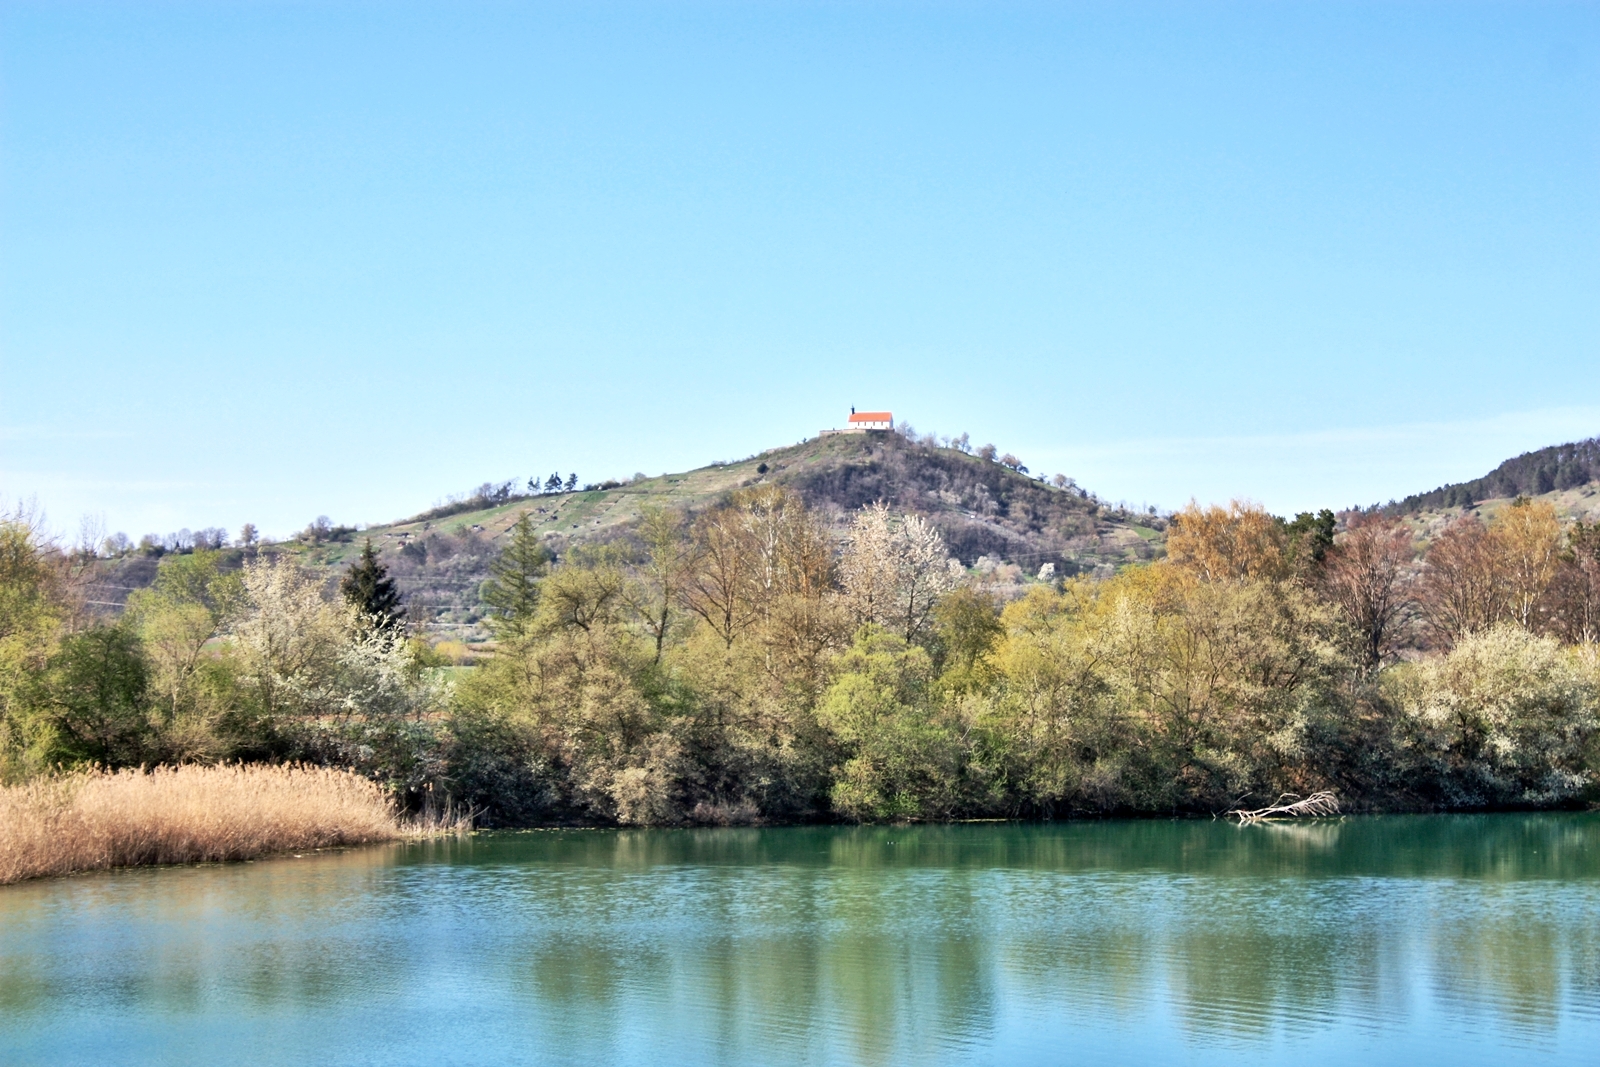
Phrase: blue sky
{"type": "Point", "coordinates": [260, 262]}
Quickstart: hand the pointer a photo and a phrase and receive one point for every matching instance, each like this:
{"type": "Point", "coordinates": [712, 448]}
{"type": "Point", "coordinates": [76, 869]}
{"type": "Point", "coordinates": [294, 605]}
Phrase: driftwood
{"type": "Point", "coordinates": [1290, 805]}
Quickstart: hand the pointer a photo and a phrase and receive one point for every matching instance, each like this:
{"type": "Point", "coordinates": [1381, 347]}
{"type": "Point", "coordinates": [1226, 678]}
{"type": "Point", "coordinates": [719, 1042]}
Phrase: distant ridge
{"type": "Point", "coordinates": [1530, 474]}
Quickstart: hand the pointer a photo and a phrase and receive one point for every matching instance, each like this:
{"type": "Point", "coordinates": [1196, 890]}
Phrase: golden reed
{"type": "Point", "coordinates": [88, 820]}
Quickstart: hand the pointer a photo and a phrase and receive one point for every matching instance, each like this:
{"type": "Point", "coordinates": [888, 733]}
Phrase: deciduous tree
{"type": "Point", "coordinates": [764, 545]}
{"type": "Point", "coordinates": [894, 570]}
{"type": "Point", "coordinates": [1462, 585]}
{"type": "Point", "coordinates": [289, 638]}
{"type": "Point", "coordinates": [1527, 536]}
{"type": "Point", "coordinates": [92, 699]}
{"type": "Point", "coordinates": [1240, 541]}
{"type": "Point", "coordinates": [1576, 589]}
{"type": "Point", "coordinates": [584, 593]}
{"type": "Point", "coordinates": [967, 621]}
{"type": "Point", "coordinates": [667, 554]}
{"type": "Point", "coordinates": [900, 760]}
{"type": "Point", "coordinates": [790, 552]}
{"type": "Point", "coordinates": [192, 600]}
{"type": "Point", "coordinates": [33, 615]}
{"type": "Point", "coordinates": [1366, 574]}
{"type": "Point", "coordinates": [719, 580]}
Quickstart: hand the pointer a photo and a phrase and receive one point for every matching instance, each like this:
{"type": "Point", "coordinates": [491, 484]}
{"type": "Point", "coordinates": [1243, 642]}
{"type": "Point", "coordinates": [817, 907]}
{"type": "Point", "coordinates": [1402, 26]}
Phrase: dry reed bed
{"type": "Point", "coordinates": [88, 820]}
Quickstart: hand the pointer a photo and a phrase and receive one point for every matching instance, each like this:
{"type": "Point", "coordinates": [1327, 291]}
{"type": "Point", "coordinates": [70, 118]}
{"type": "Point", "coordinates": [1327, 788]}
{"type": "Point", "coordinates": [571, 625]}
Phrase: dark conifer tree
{"type": "Point", "coordinates": [1311, 535]}
{"type": "Point", "coordinates": [513, 588]}
{"type": "Point", "coordinates": [368, 586]}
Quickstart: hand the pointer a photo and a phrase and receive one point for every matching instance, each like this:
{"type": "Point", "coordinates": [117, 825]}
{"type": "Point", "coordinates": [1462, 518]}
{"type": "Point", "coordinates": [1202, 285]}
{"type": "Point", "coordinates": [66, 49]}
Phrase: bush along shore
{"type": "Point", "coordinates": [740, 665]}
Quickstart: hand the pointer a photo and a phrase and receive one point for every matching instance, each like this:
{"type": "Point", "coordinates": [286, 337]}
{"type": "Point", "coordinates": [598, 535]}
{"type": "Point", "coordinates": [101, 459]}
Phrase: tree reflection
{"type": "Point", "coordinates": [872, 946]}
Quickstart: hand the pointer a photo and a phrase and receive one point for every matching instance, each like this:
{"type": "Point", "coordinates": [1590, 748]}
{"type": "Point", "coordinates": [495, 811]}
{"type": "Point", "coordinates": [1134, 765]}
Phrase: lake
{"type": "Point", "coordinates": [1371, 940]}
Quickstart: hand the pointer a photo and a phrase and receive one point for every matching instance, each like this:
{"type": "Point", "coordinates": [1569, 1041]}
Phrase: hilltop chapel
{"type": "Point", "coordinates": [862, 421]}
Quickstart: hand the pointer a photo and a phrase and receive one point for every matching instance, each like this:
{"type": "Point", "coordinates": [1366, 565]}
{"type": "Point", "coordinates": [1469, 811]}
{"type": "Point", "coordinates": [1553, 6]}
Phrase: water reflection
{"type": "Point", "coordinates": [1380, 940]}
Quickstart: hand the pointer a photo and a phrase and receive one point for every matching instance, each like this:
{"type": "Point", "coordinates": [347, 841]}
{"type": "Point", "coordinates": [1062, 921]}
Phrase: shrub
{"type": "Point", "coordinates": [1506, 717]}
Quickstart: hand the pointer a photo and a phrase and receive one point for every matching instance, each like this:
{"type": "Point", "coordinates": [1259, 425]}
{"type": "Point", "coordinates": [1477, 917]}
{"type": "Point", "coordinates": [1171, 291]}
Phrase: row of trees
{"type": "Point", "coordinates": [207, 664]}
{"type": "Point", "coordinates": [554, 484]}
{"type": "Point", "coordinates": [763, 672]}
{"type": "Point", "coordinates": [1521, 569]}
{"type": "Point", "coordinates": [185, 540]}
{"type": "Point", "coordinates": [744, 663]}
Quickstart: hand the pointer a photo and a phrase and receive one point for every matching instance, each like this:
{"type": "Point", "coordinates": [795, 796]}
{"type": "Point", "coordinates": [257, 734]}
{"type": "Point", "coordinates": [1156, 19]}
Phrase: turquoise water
{"type": "Point", "coordinates": [1392, 940]}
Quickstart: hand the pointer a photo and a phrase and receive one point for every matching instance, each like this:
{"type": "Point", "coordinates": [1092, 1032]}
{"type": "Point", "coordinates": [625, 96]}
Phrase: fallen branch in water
{"type": "Point", "coordinates": [1317, 804]}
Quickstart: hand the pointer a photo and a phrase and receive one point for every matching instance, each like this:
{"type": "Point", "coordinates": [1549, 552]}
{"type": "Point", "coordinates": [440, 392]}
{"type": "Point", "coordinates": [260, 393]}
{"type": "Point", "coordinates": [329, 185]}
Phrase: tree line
{"type": "Point", "coordinates": [1530, 474]}
{"type": "Point", "coordinates": [743, 664]}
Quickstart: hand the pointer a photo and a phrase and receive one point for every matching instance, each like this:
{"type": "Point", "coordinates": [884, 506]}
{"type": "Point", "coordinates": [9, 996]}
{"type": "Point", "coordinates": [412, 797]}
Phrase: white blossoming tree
{"type": "Point", "coordinates": [895, 569]}
{"type": "Point", "coordinates": [290, 638]}
{"type": "Point", "coordinates": [306, 654]}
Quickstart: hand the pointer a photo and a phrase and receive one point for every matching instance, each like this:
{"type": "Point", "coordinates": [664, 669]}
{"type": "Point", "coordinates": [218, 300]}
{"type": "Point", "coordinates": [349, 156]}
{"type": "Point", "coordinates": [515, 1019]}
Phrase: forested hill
{"type": "Point", "coordinates": [1553, 469]}
{"type": "Point", "coordinates": [983, 507]}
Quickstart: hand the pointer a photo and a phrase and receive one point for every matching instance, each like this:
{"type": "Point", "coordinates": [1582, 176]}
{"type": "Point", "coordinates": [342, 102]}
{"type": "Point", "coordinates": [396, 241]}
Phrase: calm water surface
{"type": "Point", "coordinates": [1405, 940]}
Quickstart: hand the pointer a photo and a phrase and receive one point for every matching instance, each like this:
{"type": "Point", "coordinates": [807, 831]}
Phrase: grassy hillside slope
{"type": "Point", "coordinates": [983, 508]}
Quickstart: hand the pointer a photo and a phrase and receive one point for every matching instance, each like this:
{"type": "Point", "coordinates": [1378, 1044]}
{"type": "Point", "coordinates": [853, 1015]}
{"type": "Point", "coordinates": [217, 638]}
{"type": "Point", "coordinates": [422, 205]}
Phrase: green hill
{"type": "Point", "coordinates": [984, 509]}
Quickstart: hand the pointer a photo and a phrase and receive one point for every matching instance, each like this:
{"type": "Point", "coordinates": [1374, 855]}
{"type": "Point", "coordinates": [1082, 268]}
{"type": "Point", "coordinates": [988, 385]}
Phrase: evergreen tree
{"type": "Point", "coordinates": [512, 591]}
{"type": "Point", "coordinates": [552, 484]}
{"type": "Point", "coordinates": [1311, 535]}
{"type": "Point", "coordinates": [369, 587]}
{"type": "Point", "coordinates": [572, 481]}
